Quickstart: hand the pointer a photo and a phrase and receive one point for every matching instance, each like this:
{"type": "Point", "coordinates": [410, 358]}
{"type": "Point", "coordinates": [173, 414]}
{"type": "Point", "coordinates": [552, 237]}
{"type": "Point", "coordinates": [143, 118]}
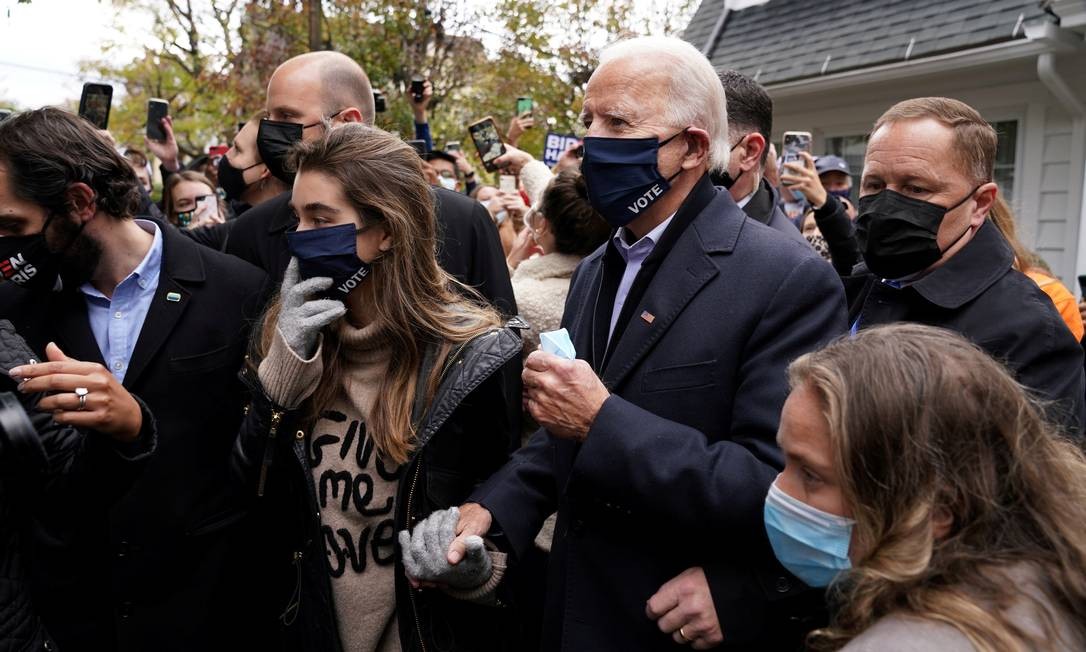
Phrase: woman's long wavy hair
{"type": "Point", "coordinates": [1002, 216]}
{"type": "Point", "coordinates": [923, 425]}
{"type": "Point", "coordinates": [416, 302]}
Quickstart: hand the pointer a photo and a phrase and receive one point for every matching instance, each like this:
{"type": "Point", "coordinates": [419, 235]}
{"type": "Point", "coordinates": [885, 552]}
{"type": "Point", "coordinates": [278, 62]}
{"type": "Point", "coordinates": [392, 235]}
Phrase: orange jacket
{"type": "Point", "coordinates": [1062, 297]}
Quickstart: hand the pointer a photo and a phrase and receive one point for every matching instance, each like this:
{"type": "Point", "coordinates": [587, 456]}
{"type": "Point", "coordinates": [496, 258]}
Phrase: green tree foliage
{"type": "Point", "coordinates": [211, 59]}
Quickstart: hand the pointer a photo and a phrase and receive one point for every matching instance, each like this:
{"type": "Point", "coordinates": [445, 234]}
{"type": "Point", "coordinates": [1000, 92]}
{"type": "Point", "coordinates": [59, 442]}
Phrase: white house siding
{"type": "Point", "coordinates": [1056, 232]}
{"type": "Point", "coordinates": [1049, 157]}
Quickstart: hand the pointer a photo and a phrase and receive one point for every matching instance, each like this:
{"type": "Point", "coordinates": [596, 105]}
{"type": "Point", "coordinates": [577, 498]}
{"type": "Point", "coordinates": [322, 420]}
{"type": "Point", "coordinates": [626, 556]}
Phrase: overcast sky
{"type": "Point", "coordinates": [42, 44]}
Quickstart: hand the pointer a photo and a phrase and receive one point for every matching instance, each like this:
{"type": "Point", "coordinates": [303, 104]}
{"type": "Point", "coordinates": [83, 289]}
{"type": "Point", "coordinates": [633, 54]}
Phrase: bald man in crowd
{"type": "Point", "coordinates": [319, 90]}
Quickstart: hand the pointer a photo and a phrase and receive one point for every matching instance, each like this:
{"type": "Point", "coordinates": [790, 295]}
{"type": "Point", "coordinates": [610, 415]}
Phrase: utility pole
{"type": "Point", "coordinates": [316, 18]}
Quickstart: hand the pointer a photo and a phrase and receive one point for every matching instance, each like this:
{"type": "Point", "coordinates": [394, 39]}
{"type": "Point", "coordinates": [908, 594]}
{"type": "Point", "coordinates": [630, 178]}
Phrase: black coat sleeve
{"type": "Point", "coordinates": [84, 473]}
{"type": "Point", "coordinates": [214, 236]}
{"type": "Point", "coordinates": [840, 234]}
{"type": "Point", "coordinates": [89, 466]}
{"type": "Point", "coordinates": [488, 269]}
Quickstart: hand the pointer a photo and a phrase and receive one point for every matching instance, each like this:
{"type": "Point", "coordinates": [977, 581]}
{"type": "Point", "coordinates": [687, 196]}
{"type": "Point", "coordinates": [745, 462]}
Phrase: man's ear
{"type": "Point", "coordinates": [752, 155]}
{"type": "Point", "coordinates": [264, 174]}
{"type": "Point", "coordinates": [351, 114]}
{"type": "Point", "coordinates": [985, 197]}
{"type": "Point", "coordinates": [697, 149]}
{"type": "Point", "coordinates": [81, 201]}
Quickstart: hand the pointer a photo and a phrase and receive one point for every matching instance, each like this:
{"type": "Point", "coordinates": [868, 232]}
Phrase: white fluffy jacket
{"type": "Point", "coordinates": [540, 285]}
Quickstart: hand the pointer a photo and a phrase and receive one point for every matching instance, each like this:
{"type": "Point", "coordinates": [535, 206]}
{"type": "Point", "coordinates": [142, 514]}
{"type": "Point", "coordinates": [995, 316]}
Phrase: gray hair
{"type": "Point", "coordinates": [695, 96]}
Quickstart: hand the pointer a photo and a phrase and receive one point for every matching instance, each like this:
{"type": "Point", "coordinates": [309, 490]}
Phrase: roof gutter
{"type": "Point", "coordinates": [707, 49]}
{"type": "Point", "coordinates": [951, 61]}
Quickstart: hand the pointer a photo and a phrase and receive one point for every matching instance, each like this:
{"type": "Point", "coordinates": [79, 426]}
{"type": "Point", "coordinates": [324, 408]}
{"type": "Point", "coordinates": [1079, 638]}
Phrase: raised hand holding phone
{"type": "Point", "coordinates": [484, 134]}
{"type": "Point", "coordinates": [166, 150]}
{"type": "Point", "coordinates": [207, 211]}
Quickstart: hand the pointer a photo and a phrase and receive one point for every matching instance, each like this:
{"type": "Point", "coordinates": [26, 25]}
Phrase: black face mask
{"type": "Point", "coordinates": [27, 261]}
{"type": "Point", "coordinates": [898, 234]}
{"type": "Point", "coordinates": [232, 179]}
{"type": "Point", "coordinates": [274, 140]}
{"type": "Point", "coordinates": [724, 178]}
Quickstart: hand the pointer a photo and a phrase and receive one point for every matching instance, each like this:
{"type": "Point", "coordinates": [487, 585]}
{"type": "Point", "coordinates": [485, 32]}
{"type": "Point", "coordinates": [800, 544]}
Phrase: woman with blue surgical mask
{"type": "Point", "coordinates": [923, 486]}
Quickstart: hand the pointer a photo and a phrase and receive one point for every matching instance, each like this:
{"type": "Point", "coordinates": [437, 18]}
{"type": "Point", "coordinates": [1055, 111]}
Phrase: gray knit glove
{"type": "Point", "coordinates": [301, 318]}
{"type": "Point", "coordinates": [425, 553]}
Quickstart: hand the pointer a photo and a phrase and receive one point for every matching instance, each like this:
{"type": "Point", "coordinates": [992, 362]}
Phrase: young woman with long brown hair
{"type": "Point", "coordinates": [923, 485]}
{"type": "Point", "coordinates": [379, 401]}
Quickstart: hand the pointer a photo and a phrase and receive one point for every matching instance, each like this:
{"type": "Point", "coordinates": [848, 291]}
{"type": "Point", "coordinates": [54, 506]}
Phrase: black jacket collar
{"type": "Point", "coordinates": [967, 274]}
{"type": "Point", "coordinates": [762, 203]}
{"type": "Point", "coordinates": [181, 258]}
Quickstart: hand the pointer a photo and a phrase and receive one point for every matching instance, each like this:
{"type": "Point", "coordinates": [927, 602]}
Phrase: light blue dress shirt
{"type": "Point", "coordinates": [634, 255]}
{"type": "Point", "coordinates": [117, 321]}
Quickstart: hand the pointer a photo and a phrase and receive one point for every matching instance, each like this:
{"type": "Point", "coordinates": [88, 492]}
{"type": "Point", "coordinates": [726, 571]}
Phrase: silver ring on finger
{"type": "Point", "coordinates": [82, 392]}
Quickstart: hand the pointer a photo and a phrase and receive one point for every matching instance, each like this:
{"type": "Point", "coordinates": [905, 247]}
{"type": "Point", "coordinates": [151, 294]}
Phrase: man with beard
{"type": "Point", "coordinates": [135, 303]}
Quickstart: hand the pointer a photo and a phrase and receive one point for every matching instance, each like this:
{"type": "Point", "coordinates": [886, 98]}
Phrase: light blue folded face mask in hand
{"type": "Point", "coordinates": [812, 544]}
{"type": "Point", "coordinates": [558, 343]}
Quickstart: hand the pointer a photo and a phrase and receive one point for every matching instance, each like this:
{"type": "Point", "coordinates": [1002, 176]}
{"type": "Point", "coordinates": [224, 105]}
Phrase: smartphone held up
{"type": "Point", "coordinates": [525, 106]}
{"type": "Point", "coordinates": [418, 88]}
{"type": "Point", "coordinates": [484, 134]}
{"type": "Point", "coordinates": [94, 104]}
{"type": "Point", "coordinates": [156, 110]}
{"type": "Point", "coordinates": [793, 143]}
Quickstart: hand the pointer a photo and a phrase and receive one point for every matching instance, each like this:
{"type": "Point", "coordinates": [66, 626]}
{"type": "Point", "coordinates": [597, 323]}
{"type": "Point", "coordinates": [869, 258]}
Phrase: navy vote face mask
{"type": "Point", "coordinates": [621, 176]}
{"type": "Point", "coordinates": [330, 252]}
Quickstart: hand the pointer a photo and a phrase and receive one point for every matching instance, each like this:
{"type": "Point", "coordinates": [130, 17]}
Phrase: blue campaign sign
{"type": "Point", "coordinates": [555, 145]}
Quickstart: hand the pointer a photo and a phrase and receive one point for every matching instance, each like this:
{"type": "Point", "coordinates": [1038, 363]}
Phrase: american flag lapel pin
{"type": "Point", "coordinates": [648, 317]}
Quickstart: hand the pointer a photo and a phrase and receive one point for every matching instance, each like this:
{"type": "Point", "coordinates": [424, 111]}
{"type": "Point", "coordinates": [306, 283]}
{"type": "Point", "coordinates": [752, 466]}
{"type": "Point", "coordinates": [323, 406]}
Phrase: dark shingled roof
{"type": "Point", "coordinates": [785, 40]}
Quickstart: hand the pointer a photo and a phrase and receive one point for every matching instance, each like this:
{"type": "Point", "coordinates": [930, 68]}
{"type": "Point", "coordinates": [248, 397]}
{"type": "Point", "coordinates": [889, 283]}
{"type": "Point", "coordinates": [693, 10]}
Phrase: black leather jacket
{"type": "Point", "coordinates": [81, 475]}
{"type": "Point", "coordinates": [462, 439]}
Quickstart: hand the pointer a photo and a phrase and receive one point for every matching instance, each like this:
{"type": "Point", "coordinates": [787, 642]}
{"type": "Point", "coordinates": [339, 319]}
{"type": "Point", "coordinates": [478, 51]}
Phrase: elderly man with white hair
{"type": "Point", "coordinates": [657, 445]}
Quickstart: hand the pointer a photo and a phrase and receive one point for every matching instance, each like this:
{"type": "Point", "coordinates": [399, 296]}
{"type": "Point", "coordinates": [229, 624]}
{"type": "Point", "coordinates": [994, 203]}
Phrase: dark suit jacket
{"type": "Point", "coordinates": [171, 568]}
{"type": "Point", "coordinates": [978, 294]}
{"type": "Point", "coordinates": [676, 466]}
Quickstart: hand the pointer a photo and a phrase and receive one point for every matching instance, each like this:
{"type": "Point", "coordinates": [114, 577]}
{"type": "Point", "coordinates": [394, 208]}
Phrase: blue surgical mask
{"type": "Point", "coordinates": [330, 252]}
{"type": "Point", "coordinates": [622, 178]}
{"type": "Point", "coordinates": [811, 544]}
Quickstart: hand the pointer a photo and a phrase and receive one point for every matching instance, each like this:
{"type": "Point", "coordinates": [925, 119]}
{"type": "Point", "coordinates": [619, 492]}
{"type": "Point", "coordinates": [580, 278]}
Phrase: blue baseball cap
{"type": "Point", "coordinates": [831, 163]}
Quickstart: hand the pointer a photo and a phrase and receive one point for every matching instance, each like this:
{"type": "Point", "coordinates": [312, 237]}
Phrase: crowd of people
{"type": "Point", "coordinates": [332, 390]}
